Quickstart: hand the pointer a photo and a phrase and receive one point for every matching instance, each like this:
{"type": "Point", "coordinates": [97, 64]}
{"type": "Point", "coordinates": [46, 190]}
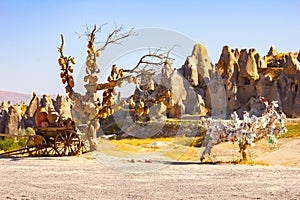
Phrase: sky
{"type": "Point", "coordinates": [30, 31]}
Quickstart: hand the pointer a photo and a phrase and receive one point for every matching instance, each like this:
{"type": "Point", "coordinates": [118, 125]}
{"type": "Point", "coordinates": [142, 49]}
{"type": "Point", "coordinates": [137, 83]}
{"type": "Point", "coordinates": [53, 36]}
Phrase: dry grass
{"type": "Point", "coordinates": [178, 148]}
{"type": "Point", "coordinates": [293, 131]}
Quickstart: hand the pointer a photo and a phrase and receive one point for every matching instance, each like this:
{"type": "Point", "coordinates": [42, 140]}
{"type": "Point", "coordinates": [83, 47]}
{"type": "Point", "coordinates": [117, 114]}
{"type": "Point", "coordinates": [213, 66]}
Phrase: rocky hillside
{"type": "Point", "coordinates": [240, 78]}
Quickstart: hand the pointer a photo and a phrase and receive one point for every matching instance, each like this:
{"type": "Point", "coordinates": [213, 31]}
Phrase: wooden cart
{"type": "Point", "coordinates": [50, 141]}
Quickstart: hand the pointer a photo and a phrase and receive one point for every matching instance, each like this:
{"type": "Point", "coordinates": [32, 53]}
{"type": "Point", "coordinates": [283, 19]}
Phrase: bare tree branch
{"type": "Point", "coordinates": [87, 33]}
{"type": "Point", "coordinates": [60, 49]}
{"type": "Point", "coordinates": [115, 36]}
{"type": "Point", "coordinates": [162, 58]}
{"type": "Point", "coordinates": [155, 58]}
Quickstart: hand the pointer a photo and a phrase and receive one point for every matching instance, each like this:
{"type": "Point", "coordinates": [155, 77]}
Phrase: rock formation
{"type": "Point", "coordinates": [62, 105]}
{"type": "Point", "coordinates": [272, 51]}
{"type": "Point", "coordinates": [3, 117]}
{"type": "Point", "coordinates": [289, 85]}
{"type": "Point", "coordinates": [260, 61]}
{"type": "Point", "coordinates": [197, 67]}
{"type": "Point", "coordinates": [46, 101]}
{"type": "Point", "coordinates": [248, 67]}
{"type": "Point", "coordinates": [28, 119]}
{"type": "Point", "coordinates": [292, 65]}
{"type": "Point", "coordinates": [228, 68]}
{"type": "Point", "coordinates": [273, 76]}
{"type": "Point", "coordinates": [13, 120]}
{"type": "Point", "coordinates": [33, 105]}
{"type": "Point", "coordinates": [236, 53]}
{"type": "Point", "coordinates": [190, 71]}
{"type": "Point", "coordinates": [158, 111]}
{"type": "Point", "coordinates": [246, 76]}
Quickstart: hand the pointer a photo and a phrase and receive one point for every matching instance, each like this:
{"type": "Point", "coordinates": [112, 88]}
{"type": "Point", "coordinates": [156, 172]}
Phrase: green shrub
{"type": "Point", "coordinates": [21, 142]}
{"type": "Point", "coordinates": [29, 131]}
{"type": "Point", "coordinates": [8, 144]}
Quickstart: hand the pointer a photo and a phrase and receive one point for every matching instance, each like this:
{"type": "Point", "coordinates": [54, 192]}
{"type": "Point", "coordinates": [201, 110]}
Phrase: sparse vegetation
{"type": "Point", "coordinates": [10, 144]}
{"type": "Point", "coordinates": [293, 131]}
{"type": "Point", "coordinates": [185, 148]}
{"type": "Point", "coordinates": [28, 131]}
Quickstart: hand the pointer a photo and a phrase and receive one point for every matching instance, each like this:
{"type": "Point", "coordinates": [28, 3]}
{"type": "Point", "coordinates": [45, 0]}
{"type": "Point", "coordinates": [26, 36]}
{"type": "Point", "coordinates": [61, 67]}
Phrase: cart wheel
{"type": "Point", "coordinates": [51, 151]}
{"type": "Point", "coordinates": [67, 143]}
{"type": "Point", "coordinates": [36, 146]}
{"type": "Point", "coordinates": [85, 145]}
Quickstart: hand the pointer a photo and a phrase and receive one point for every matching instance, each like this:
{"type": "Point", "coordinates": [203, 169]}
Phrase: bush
{"type": "Point", "coordinates": [21, 142]}
{"type": "Point", "coordinates": [8, 144]}
{"type": "Point", "coordinates": [29, 131]}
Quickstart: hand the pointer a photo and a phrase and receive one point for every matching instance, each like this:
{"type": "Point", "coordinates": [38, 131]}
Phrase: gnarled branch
{"type": "Point", "coordinates": [162, 58]}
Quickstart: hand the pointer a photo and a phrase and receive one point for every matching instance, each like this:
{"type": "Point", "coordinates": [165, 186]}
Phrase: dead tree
{"type": "Point", "coordinates": [89, 106]}
{"type": "Point", "coordinates": [86, 105]}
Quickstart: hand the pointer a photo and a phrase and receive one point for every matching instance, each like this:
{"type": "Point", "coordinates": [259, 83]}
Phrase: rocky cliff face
{"type": "Point", "coordinates": [289, 86]}
{"type": "Point", "coordinates": [245, 76]}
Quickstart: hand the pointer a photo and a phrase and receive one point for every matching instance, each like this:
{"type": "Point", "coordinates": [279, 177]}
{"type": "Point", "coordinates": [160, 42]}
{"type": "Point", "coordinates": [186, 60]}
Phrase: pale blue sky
{"type": "Point", "coordinates": [30, 31]}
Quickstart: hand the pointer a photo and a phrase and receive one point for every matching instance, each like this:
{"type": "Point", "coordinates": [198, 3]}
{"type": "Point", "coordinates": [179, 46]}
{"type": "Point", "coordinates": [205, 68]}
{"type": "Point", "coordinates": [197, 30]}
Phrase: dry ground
{"type": "Point", "coordinates": [96, 176]}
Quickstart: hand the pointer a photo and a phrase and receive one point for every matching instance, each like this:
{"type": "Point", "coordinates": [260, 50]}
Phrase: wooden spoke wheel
{"type": "Point", "coordinates": [51, 151]}
{"type": "Point", "coordinates": [67, 143]}
{"type": "Point", "coordinates": [36, 146]}
{"type": "Point", "coordinates": [85, 144]}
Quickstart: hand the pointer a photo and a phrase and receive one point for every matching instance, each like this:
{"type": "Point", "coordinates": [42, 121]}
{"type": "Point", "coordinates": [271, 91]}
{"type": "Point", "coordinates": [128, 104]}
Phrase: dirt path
{"type": "Point", "coordinates": [287, 154]}
{"type": "Point", "coordinates": [85, 177]}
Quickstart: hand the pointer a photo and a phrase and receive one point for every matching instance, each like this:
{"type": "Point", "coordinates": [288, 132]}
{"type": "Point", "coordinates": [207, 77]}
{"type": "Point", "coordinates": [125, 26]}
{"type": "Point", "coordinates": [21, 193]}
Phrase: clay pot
{"type": "Point", "coordinates": [61, 61]}
{"type": "Point", "coordinates": [114, 92]}
{"type": "Point", "coordinates": [73, 60]}
{"type": "Point", "coordinates": [135, 80]}
{"type": "Point", "coordinates": [44, 124]}
{"type": "Point", "coordinates": [71, 82]}
{"type": "Point", "coordinates": [141, 104]}
{"type": "Point", "coordinates": [139, 111]}
{"type": "Point", "coordinates": [146, 110]}
{"type": "Point", "coordinates": [71, 70]}
{"type": "Point", "coordinates": [93, 79]}
{"type": "Point", "coordinates": [97, 54]}
{"type": "Point", "coordinates": [41, 116]}
{"type": "Point", "coordinates": [129, 79]}
{"type": "Point", "coordinates": [52, 117]}
{"type": "Point", "coordinates": [168, 93]}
